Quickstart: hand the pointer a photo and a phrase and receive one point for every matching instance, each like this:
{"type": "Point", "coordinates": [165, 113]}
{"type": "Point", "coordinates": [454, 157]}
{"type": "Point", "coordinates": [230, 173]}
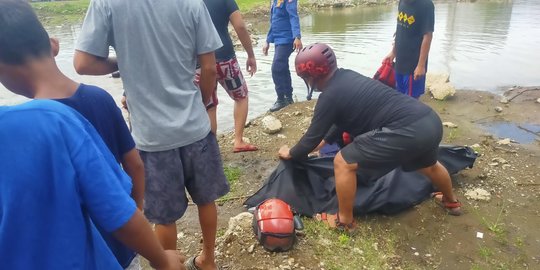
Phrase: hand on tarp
{"type": "Point", "coordinates": [285, 153]}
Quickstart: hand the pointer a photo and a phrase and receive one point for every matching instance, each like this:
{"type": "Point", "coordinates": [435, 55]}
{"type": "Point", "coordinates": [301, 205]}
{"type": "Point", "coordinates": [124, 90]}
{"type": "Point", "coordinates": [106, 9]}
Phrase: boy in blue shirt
{"type": "Point", "coordinates": [55, 167]}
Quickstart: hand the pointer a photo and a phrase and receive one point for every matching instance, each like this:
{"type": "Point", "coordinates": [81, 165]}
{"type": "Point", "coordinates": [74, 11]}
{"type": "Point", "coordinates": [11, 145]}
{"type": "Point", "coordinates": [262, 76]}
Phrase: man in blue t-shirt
{"type": "Point", "coordinates": [284, 32]}
{"type": "Point", "coordinates": [58, 177]}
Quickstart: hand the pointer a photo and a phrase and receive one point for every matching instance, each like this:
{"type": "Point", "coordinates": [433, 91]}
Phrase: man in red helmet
{"type": "Point", "coordinates": [389, 130]}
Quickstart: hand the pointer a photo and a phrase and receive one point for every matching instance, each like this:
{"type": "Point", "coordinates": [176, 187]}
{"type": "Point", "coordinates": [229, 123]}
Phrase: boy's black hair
{"type": "Point", "coordinates": [22, 36]}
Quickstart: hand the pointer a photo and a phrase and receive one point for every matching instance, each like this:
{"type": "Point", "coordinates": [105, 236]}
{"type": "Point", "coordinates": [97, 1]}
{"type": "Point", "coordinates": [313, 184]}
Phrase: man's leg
{"type": "Point", "coordinates": [165, 199]}
{"type": "Point", "coordinates": [205, 184]}
{"type": "Point", "coordinates": [208, 222]}
{"type": "Point", "coordinates": [345, 175]}
{"type": "Point", "coordinates": [232, 80]}
{"type": "Point", "coordinates": [440, 177]}
{"type": "Point", "coordinates": [281, 75]}
{"type": "Point", "coordinates": [212, 115]}
{"type": "Point", "coordinates": [240, 116]}
{"type": "Point", "coordinates": [166, 234]}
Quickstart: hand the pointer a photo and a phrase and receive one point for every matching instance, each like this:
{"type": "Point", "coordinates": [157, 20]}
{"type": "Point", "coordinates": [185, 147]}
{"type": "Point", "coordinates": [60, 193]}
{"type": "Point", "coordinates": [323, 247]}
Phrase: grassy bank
{"type": "Point", "coordinates": [69, 12]}
{"type": "Point", "coordinates": [61, 12]}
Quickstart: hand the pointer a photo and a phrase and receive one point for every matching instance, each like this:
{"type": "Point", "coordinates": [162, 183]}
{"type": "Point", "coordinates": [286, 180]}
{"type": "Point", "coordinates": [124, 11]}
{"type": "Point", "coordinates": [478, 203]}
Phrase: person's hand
{"type": "Point", "coordinates": [297, 45]}
{"type": "Point", "coordinates": [251, 65]}
{"type": "Point", "coordinates": [419, 72]}
{"type": "Point", "coordinates": [284, 153]}
{"type": "Point", "coordinates": [266, 46]}
{"type": "Point", "coordinates": [174, 261]}
{"type": "Point", "coordinates": [389, 58]}
{"type": "Point", "coordinates": [124, 103]}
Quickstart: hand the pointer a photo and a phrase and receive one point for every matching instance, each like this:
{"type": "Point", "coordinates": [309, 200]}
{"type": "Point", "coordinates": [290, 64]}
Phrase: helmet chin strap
{"type": "Point", "coordinates": [309, 90]}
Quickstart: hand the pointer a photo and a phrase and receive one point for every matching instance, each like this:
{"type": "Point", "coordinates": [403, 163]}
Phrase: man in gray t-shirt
{"type": "Point", "coordinates": [157, 44]}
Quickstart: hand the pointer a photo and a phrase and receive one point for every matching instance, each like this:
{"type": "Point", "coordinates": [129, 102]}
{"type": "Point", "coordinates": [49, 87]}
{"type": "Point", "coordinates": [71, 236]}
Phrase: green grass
{"type": "Point", "coordinates": [248, 5]}
{"type": "Point", "coordinates": [73, 11]}
{"type": "Point", "coordinates": [453, 134]}
{"type": "Point", "coordinates": [61, 12]}
{"type": "Point", "coordinates": [371, 245]}
{"type": "Point", "coordinates": [233, 175]}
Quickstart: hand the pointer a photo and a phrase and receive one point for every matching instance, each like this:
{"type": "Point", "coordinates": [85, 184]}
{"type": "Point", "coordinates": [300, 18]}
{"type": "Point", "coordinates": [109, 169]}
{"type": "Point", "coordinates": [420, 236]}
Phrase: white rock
{"type": "Point", "coordinates": [500, 160]}
{"type": "Point", "coordinates": [439, 86]}
{"type": "Point", "coordinates": [478, 194]}
{"type": "Point", "coordinates": [238, 225]}
{"type": "Point", "coordinates": [271, 125]}
{"type": "Point", "coordinates": [416, 254]}
{"type": "Point", "coordinates": [498, 109]}
{"type": "Point", "coordinates": [504, 100]}
{"type": "Point", "coordinates": [449, 125]}
{"type": "Point", "coordinates": [538, 100]}
{"type": "Point", "coordinates": [251, 248]}
{"type": "Point", "coordinates": [475, 145]}
{"type": "Point", "coordinates": [504, 141]}
{"type": "Point", "coordinates": [281, 136]}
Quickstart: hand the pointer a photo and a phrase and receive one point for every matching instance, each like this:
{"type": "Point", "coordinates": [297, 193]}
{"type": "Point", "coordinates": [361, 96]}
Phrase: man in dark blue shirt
{"type": "Point", "coordinates": [414, 32]}
{"type": "Point", "coordinates": [285, 34]}
{"type": "Point", "coordinates": [229, 73]}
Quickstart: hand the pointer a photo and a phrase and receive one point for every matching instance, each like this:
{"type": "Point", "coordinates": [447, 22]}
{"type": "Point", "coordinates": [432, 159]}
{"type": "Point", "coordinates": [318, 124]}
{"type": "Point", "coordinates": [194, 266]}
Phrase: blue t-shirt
{"type": "Point", "coordinates": [284, 22]}
{"type": "Point", "coordinates": [57, 178]}
{"type": "Point", "coordinates": [99, 108]}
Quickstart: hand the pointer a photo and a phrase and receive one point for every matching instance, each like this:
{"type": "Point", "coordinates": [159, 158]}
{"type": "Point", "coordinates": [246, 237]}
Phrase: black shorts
{"type": "Point", "coordinates": [413, 147]}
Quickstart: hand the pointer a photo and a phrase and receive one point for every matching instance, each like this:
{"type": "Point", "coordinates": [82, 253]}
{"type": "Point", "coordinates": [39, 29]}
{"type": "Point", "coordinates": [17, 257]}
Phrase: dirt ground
{"type": "Point", "coordinates": [424, 237]}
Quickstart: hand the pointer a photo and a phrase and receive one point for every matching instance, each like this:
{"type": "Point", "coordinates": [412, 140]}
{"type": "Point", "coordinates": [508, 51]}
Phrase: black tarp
{"type": "Point", "coordinates": [309, 186]}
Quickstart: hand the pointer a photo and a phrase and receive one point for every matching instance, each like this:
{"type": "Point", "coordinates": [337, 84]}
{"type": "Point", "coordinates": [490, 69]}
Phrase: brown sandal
{"type": "Point", "coordinates": [336, 224]}
{"type": "Point", "coordinates": [452, 208]}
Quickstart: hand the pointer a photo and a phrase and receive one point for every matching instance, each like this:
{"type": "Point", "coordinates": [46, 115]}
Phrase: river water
{"type": "Point", "coordinates": [483, 46]}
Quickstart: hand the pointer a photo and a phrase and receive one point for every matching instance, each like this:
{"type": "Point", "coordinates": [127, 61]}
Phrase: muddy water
{"type": "Point", "coordinates": [481, 45]}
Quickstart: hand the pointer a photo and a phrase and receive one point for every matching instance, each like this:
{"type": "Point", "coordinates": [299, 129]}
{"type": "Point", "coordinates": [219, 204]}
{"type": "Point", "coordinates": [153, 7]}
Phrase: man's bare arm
{"type": "Point", "coordinates": [207, 82]}
{"type": "Point", "coordinates": [424, 52]}
{"type": "Point", "coordinates": [88, 64]}
{"type": "Point", "coordinates": [243, 34]}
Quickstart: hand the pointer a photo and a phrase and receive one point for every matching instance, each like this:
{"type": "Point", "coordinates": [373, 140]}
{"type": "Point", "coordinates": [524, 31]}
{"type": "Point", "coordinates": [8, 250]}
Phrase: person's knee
{"type": "Point", "coordinates": [280, 65]}
{"type": "Point", "coordinates": [341, 165]}
{"type": "Point", "coordinates": [430, 170]}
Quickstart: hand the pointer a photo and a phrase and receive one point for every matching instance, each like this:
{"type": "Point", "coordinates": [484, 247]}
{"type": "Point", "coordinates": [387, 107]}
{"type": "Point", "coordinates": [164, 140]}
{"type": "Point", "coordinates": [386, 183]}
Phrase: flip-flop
{"type": "Point", "coordinates": [246, 148]}
{"type": "Point", "coordinates": [452, 208]}
{"type": "Point", "coordinates": [191, 265]}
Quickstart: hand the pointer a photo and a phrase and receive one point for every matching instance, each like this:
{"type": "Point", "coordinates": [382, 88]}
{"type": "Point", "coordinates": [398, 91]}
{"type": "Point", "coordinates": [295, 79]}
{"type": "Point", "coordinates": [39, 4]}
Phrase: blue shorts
{"type": "Point", "coordinates": [408, 86]}
{"type": "Point", "coordinates": [196, 167]}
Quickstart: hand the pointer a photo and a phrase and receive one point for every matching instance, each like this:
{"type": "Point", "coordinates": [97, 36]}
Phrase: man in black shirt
{"type": "Point", "coordinates": [229, 73]}
{"type": "Point", "coordinates": [415, 25]}
{"type": "Point", "coordinates": [389, 130]}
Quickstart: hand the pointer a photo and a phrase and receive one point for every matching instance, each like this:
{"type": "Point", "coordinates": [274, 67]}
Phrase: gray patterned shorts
{"type": "Point", "coordinates": [196, 167]}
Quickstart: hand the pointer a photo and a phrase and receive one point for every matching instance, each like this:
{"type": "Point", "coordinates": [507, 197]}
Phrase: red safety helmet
{"type": "Point", "coordinates": [315, 61]}
{"type": "Point", "coordinates": [274, 226]}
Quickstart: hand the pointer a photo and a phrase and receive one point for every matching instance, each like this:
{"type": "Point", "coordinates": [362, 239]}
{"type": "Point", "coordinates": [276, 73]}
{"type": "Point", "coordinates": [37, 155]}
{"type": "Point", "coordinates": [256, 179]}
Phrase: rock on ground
{"type": "Point", "coordinates": [239, 226]}
{"type": "Point", "coordinates": [439, 86]}
{"type": "Point", "coordinates": [449, 125]}
{"type": "Point", "coordinates": [271, 125]}
{"type": "Point", "coordinates": [478, 194]}
{"type": "Point", "coordinates": [506, 141]}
